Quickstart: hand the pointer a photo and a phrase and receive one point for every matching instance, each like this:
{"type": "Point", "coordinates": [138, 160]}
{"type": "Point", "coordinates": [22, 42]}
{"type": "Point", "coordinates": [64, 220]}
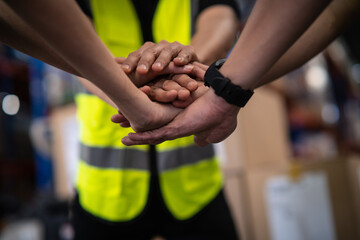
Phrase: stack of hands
{"type": "Point", "coordinates": [174, 77]}
{"type": "Point", "coordinates": [271, 44]}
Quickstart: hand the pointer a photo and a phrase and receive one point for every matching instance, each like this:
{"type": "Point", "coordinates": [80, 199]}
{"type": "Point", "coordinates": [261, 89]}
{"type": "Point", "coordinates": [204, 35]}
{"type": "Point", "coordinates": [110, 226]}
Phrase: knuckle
{"type": "Point", "coordinates": [177, 43]}
{"type": "Point", "coordinates": [150, 51]}
{"type": "Point", "coordinates": [164, 42]}
{"type": "Point", "coordinates": [148, 44]}
{"type": "Point", "coordinates": [190, 54]}
{"type": "Point", "coordinates": [133, 55]}
{"type": "Point", "coordinates": [190, 50]}
{"type": "Point", "coordinates": [168, 50]}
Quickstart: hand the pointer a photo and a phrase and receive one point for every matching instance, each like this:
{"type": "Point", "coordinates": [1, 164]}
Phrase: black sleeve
{"type": "Point", "coordinates": [203, 4]}
{"type": "Point", "coordinates": [85, 7]}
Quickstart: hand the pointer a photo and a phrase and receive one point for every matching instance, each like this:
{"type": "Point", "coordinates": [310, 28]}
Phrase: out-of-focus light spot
{"type": "Point", "coordinates": [11, 104]}
{"type": "Point", "coordinates": [355, 72]}
{"type": "Point", "coordinates": [330, 113]}
{"type": "Point", "coordinates": [316, 78]}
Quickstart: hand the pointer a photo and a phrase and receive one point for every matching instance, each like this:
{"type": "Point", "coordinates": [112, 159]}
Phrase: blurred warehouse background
{"type": "Point", "coordinates": [292, 167]}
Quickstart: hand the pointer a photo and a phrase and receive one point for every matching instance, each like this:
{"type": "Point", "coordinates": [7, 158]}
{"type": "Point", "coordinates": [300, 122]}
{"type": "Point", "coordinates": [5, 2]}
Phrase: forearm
{"type": "Point", "coordinates": [215, 33]}
{"type": "Point", "coordinates": [15, 33]}
{"type": "Point", "coordinates": [96, 91]}
{"type": "Point", "coordinates": [321, 33]}
{"type": "Point", "coordinates": [68, 30]}
{"type": "Point", "coordinates": [272, 28]}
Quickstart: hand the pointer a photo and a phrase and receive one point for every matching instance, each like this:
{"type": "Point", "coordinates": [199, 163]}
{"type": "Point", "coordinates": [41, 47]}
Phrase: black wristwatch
{"type": "Point", "coordinates": [223, 87]}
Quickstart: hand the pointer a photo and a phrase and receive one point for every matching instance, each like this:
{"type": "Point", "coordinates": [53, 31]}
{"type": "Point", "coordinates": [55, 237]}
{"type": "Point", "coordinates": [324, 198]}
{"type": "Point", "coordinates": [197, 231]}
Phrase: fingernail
{"type": "Point", "coordinates": [126, 67]}
{"type": "Point", "coordinates": [180, 59]}
{"type": "Point", "coordinates": [158, 65]}
{"type": "Point", "coordinates": [188, 67]}
{"type": "Point", "coordinates": [142, 67]}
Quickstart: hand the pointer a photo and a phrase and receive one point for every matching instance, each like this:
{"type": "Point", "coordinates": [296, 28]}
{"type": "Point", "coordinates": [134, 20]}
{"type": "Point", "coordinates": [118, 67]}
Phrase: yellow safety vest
{"type": "Point", "coordinates": [113, 179]}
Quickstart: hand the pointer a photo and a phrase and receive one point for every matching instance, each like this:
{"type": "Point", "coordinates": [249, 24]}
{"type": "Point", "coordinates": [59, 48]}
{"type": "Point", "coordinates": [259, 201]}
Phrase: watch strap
{"type": "Point", "coordinates": [223, 87]}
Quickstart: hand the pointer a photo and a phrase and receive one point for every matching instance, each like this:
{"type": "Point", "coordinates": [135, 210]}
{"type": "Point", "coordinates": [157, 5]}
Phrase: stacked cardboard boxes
{"type": "Point", "coordinates": [258, 163]}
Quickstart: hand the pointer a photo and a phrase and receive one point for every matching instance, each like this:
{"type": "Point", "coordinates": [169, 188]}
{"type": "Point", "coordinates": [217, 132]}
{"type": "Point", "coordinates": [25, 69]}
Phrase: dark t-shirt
{"type": "Point", "coordinates": [146, 9]}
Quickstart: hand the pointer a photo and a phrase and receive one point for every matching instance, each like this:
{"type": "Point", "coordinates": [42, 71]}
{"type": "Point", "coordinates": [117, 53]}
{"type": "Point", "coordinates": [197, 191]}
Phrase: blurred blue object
{"type": "Point", "coordinates": [39, 109]}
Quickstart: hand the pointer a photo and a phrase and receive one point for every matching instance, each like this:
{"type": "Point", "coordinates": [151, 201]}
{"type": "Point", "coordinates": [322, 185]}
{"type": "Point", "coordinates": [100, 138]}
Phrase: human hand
{"type": "Point", "coordinates": [169, 95]}
{"type": "Point", "coordinates": [200, 90]}
{"type": "Point", "coordinates": [181, 90]}
{"type": "Point", "coordinates": [156, 57]}
{"type": "Point", "coordinates": [169, 91]}
{"type": "Point", "coordinates": [170, 88]}
{"type": "Point", "coordinates": [196, 70]}
{"type": "Point", "coordinates": [149, 116]}
{"type": "Point", "coordinates": [166, 96]}
{"type": "Point", "coordinates": [210, 118]}
{"type": "Point", "coordinates": [141, 79]}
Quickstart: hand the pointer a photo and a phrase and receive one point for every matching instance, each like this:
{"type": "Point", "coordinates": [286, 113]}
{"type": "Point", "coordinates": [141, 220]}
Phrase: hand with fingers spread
{"type": "Point", "coordinates": [159, 90]}
{"type": "Point", "coordinates": [140, 78]}
{"type": "Point", "coordinates": [157, 57]}
{"type": "Point", "coordinates": [172, 83]}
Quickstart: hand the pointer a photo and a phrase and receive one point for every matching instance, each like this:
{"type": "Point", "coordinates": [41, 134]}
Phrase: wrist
{"type": "Point", "coordinates": [224, 88]}
{"type": "Point", "coordinates": [222, 106]}
{"type": "Point", "coordinates": [244, 81]}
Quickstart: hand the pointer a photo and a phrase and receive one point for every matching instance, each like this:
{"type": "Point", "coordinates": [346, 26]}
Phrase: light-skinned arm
{"type": "Point", "coordinates": [59, 23]}
{"type": "Point", "coordinates": [16, 33]}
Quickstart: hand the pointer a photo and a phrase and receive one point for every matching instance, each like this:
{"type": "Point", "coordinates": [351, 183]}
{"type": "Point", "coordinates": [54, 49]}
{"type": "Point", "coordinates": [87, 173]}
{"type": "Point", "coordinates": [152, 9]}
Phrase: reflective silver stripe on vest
{"type": "Point", "coordinates": [179, 157]}
{"type": "Point", "coordinates": [126, 158]}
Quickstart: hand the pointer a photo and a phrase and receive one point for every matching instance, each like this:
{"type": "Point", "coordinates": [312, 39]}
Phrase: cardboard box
{"type": "Point", "coordinates": [235, 195]}
{"type": "Point", "coordinates": [354, 177]}
{"type": "Point", "coordinates": [258, 162]}
{"type": "Point", "coordinates": [261, 137]}
{"type": "Point", "coordinates": [341, 195]}
{"type": "Point", "coordinates": [258, 216]}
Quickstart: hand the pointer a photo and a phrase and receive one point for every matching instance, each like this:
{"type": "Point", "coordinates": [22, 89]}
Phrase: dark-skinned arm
{"type": "Point", "coordinates": [328, 26]}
